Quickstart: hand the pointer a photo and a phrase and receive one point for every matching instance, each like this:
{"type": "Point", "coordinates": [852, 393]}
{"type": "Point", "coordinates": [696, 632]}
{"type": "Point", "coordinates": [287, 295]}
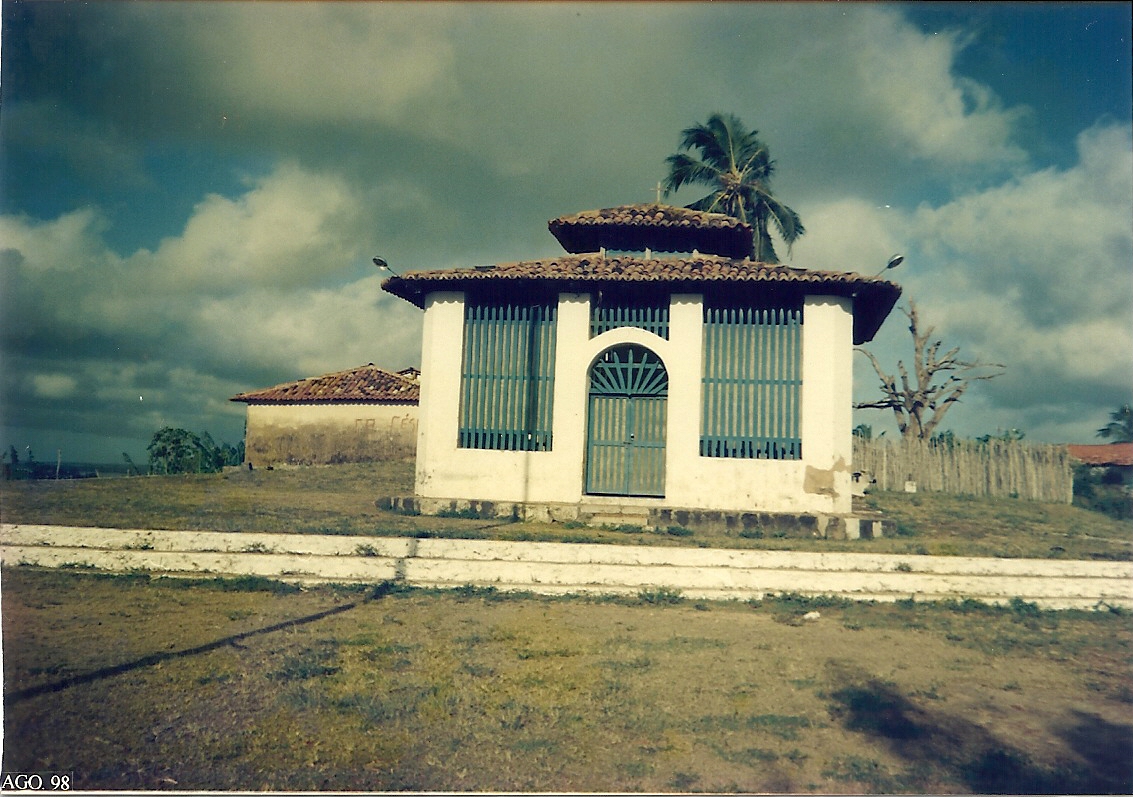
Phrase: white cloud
{"type": "Point", "coordinates": [1036, 273]}
{"type": "Point", "coordinates": [1056, 244]}
{"type": "Point", "coordinates": [305, 333]}
{"type": "Point", "coordinates": [903, 81]}
{"type": "Point", "coordinates": [49, 269]}
{"type": "Point", "coordinates": [291, 230]}
{"type": "Point", "coordinates": [500, 82]}
{"type": "Point", "coordinates": [54, 386]}
{"type": "Point", "coordinates": [67, 243]}
{"type": "Point", "coordinates": [849, 235]}
{"type": "Point", "coordinates": [821, 80]}
{"type": "Point", "coordinates": [292, 227]}
{"type": "Point", "coordinates": [1064, 237]}
{"type": "Point", "coordinates": [324, 63]}
{"type": "Point", "coordinates": [208, 314]}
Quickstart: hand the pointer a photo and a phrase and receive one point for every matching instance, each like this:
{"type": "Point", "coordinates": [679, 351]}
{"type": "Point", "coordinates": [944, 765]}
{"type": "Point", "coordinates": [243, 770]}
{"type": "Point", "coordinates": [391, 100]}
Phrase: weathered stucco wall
{"type": "Point", "coordinates": [311, 434]}
{"type": "Point", "coordinates": [820, 482]}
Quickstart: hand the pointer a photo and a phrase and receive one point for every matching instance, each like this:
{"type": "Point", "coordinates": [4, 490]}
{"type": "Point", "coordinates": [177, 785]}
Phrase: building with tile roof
{"type": "Point", "coordinates": [1103, 454]}
{"type": "Point", "coordinates": [359, 415]}
{"type": "Point", "coordinates": [654, 365]}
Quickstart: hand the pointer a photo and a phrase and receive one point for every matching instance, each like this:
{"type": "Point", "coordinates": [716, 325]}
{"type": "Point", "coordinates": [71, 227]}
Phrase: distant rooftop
{"type": "Point", "coordinates": [1103, 454]}
{"type": "Point", "coordinates": [365, 384]}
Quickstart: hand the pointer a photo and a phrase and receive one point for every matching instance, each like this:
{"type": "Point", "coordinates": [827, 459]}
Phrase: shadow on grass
{"type": "Point", "coordinates": [944, 745]}
{"type": "Point", "coordinates": [158, 658]}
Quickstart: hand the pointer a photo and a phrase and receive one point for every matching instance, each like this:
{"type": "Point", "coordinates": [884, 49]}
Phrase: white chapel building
{"type": "Point", "coordinates": [652, 365]}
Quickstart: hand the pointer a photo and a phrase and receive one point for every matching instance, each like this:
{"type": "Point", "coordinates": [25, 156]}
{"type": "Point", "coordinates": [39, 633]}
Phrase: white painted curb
{"type": "Point", "coordinates": [554, 568]}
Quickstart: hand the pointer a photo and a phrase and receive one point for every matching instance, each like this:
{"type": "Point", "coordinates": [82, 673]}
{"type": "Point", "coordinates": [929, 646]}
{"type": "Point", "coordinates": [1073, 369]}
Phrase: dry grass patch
{"type": "Point", "coordinates": [134, 683]}
{"type": "Point", "coordinates": [316, 499]}
{"type": "Point", "coordinates": [951, 525]}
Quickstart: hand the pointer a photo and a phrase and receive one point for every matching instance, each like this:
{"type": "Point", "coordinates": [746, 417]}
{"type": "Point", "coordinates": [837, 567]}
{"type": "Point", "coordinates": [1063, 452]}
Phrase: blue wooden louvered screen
{"type": "Point", "coordinates": [650, 317]}
{"type": "Point", "coordinates": [752, 383]}
{"type": "Point", "coordinates": [508, 376]}
{"type": "Point", "coordinates": [625, 452]}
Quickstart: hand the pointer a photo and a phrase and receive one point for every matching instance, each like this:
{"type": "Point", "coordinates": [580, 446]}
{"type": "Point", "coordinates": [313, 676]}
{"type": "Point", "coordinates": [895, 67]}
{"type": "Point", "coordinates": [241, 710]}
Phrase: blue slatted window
{"type": "Point", "coordinates": [752, 382]}
{"type": "Point", "coordinates": [508, 376]}
{"type": "Point", "coordinates": [652, 317]}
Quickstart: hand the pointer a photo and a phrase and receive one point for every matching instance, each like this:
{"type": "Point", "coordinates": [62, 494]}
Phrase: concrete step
{"type": "Point", "coordinates": [614, 515]}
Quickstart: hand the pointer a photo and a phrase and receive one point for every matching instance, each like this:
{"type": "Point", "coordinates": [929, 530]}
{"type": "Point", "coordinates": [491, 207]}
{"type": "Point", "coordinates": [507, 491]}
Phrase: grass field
{"type": "Point", "coordinates": [132, 683]}
{"type": "Point", "coordinates": [136, 683]}
{"type": "Point", "coordinates": [340, 499]}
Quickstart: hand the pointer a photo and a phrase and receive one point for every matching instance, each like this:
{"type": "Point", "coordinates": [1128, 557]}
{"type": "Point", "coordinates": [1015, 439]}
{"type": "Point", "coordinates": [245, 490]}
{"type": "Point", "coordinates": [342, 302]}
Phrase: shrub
{"type": "Point", "coordinates": [660, 596]}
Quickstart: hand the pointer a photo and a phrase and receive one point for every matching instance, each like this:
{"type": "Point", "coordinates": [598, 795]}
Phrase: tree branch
{"type": "Point", "coordinates": [937, 381]}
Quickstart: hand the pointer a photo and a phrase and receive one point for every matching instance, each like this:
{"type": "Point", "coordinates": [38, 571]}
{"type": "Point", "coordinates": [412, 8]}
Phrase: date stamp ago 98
{"type": "Point", "coordinates": [36, 781]}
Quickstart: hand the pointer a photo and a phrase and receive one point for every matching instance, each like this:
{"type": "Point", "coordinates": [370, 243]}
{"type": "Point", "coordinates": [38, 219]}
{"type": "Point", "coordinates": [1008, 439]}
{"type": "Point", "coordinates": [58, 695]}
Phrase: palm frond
{"type": "Point", "coordinates": [763, 249]}
{"type": "Point", "coordinates": [787, 222]}
{"type": "Point", "coordinates": [684, 168]}
{"type": "Point", "coordinates": [737, 166]}
{"type": "Point", "coordinates": [1120, 426]}
{"type": "Point", "coordinates": [712, 138]}
{"type": "Point", "coordinates": [756, 164]}
{"type": "Point", "coordinates": [709, 204]}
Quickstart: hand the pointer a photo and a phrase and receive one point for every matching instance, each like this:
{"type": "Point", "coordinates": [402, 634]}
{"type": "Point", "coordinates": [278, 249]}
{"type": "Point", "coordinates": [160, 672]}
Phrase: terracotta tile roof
{"type": "Point", "coordinates": [367, 383]}
{"type": "Point", "coordinates": [874, 297]}
{"type": "Point", "coordinates": [664, 228]}
{"type": "Point", "coordinates": [1104, 454]}
{"type": "Point", "coordinates": [651, 213]}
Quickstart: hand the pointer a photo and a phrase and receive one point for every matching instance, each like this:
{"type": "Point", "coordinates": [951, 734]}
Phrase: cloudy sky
{"type": "Point", "coordinates": [191, 192]}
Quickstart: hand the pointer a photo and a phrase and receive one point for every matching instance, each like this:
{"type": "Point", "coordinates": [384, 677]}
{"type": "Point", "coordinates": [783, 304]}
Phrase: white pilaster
{"type": "Point", "coordinates": [442, 342]}
{"type": "Point", "coordinates": [684, 355]}
{"type": "Point", "coordinates": [827, 391]}
{"type": "Point", "coordinates": [572, 360]}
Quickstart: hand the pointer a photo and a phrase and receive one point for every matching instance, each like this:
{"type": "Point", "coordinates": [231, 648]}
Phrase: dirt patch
{"type": "Point", "coordinates": [132, 683]}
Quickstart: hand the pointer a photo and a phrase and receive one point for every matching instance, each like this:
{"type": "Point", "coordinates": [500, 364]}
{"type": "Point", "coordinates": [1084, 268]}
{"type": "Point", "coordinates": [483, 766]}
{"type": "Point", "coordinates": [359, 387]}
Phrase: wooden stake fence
{"type": "Point", "coordinates": [998, 469]}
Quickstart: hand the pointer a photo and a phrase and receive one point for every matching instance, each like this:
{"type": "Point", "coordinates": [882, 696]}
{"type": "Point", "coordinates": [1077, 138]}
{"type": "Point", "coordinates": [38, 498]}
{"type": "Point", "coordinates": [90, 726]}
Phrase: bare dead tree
{"type": "Point", "coordinates": [919, 402]}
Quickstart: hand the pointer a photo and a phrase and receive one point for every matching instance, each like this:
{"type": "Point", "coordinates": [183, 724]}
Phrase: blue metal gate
{"type": "Point", "coordinates": [625, 452]}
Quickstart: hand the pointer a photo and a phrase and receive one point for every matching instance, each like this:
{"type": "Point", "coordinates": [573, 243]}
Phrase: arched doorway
{"type": "Point", "coordinates": [625, 447]}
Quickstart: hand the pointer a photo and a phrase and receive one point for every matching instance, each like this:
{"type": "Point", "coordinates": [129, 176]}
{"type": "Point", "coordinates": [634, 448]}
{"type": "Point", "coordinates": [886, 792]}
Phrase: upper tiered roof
{"type": "Point", "coordinates": [660, 228]}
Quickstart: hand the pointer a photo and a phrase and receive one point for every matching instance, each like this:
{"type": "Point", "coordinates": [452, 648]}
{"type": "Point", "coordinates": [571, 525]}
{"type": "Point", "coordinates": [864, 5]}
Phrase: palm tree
{"type": "Point", "coordinates": [1120, 426]}
{"type": "Point", "coordinates": [736, 164]}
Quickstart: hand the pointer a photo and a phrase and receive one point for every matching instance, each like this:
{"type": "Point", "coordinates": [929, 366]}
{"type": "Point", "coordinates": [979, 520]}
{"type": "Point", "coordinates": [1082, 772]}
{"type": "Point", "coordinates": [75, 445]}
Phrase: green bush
{"type": "Point", "coordinates": [1103, 490]}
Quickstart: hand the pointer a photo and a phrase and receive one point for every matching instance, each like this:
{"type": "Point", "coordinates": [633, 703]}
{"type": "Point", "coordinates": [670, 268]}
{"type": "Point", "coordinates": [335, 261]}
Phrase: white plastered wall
{"type": "Point", "coordinates": [817, 483]}
{"type": "Point", "coordinates": [820, 481]}
{"type": "Point", "coordinates": [445, 470]}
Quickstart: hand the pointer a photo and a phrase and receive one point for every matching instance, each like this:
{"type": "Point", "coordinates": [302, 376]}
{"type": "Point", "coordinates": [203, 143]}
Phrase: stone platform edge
{"type": "Point", "coordinates": [558, 568]}
{"type": "Point", "coordinates": [606, 512]}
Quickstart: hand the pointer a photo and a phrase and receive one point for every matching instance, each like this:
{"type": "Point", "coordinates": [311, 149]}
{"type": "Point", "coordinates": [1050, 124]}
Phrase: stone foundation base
{"type": "Point", "coordinates": [859, 525]}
